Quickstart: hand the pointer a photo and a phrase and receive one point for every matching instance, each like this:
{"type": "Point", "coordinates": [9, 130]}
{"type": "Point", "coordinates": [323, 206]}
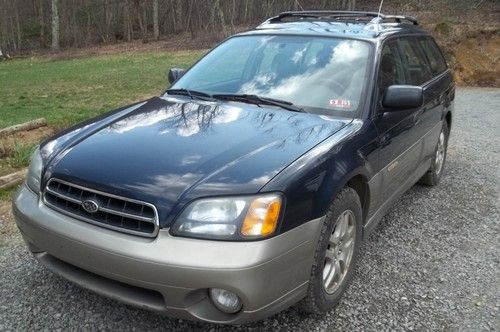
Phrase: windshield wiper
{"type": "Point", "coordinates": [190, 93]}
{"type": "Point", "coordinates": [258, 100]}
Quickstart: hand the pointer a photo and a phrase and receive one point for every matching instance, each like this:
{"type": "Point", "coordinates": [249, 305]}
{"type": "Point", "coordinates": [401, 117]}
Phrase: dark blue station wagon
{"type": "Point", "coordinates": [250, 183]}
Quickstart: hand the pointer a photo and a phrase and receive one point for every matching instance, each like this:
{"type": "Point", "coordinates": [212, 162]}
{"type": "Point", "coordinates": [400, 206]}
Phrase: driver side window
{"type": "Point", "coordinates": [391, 70]}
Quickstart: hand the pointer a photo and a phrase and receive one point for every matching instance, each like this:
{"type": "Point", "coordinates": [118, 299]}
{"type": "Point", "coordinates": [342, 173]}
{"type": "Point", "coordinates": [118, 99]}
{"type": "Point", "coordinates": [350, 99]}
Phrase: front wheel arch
{"type": "Point", "coordinates": [317, 300]}
{"type": "Point", "coordinates": [360, 184]}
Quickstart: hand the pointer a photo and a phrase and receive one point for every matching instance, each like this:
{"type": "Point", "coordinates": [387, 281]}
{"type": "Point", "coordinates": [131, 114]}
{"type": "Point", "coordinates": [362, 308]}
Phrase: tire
{"type": "Point", "coordinates": [433, 175]}
{"type": "Point", "coordinates": [320, 298]}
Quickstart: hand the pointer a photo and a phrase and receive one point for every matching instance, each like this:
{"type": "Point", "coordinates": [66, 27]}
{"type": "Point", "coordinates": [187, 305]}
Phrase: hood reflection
{"type": "Point", "coordinates": [186, 119]}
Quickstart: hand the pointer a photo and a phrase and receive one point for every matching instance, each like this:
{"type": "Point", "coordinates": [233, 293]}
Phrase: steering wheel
{"type": "Point", "coordinates": [328, 82]}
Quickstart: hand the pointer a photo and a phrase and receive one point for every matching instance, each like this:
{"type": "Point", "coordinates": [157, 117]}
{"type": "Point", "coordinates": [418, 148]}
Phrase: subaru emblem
{"type": "Point", "coordinates": [90, 206]}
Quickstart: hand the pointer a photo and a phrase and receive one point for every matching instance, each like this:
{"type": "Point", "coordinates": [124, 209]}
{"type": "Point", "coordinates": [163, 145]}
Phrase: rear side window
{"type": "Point", "coordinates": [434, 55]}
{"type": "Point", "coordinates": [416, 64]}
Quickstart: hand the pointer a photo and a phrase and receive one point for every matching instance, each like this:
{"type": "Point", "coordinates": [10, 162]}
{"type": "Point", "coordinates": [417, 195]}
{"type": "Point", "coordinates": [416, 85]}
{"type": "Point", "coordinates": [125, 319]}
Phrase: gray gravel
{"type": "Point", "coordinates": [432, 264]}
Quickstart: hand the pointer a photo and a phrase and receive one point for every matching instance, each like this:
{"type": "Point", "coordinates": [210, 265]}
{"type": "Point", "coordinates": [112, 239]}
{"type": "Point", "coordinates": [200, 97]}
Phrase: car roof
{"type": "Point", "coordinates": [345, 24]}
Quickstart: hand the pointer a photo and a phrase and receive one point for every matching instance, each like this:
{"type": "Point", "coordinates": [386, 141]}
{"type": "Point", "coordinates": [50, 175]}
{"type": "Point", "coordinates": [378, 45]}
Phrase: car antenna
{"type": "Point", "coordinates": [378, 19]}
{"type": "Point", "coordinates": [380, 7]}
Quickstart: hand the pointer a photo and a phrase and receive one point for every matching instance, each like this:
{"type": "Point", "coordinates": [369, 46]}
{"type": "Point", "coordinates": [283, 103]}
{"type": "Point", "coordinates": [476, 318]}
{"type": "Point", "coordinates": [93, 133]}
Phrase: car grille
{"type": "Point", "coordinates": [114, 212]}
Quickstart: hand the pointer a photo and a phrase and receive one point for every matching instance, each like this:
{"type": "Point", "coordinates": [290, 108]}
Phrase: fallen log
{"type": "Point", "coordinates": [30, 125]}
{"type": "Point", "coordinates": [12, 179]}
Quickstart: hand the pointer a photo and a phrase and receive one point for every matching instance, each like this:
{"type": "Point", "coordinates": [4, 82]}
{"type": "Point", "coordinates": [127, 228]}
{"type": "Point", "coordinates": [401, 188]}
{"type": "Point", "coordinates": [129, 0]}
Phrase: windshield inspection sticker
{"type": "Point", "coordinates": [340, 103]}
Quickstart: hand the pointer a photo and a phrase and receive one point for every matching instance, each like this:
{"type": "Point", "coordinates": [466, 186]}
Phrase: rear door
{"type": "Point", "coordinates": [437, 96]}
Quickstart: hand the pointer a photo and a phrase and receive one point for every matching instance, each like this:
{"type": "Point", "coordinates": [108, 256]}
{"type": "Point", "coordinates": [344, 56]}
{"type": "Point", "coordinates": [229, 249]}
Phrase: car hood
{"type": "Point", "coordinates": [168, 151]}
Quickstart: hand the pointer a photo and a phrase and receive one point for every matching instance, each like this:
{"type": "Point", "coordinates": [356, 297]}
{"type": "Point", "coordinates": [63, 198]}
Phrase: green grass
{"type": "Point", "coordinates": [21, 155]}
{"type": "Point", "coordinates": [6, 194]}
{"type": "Point", "coordinates": [18, 156]}
{"type": "Point", "coordinates": [72, 90]}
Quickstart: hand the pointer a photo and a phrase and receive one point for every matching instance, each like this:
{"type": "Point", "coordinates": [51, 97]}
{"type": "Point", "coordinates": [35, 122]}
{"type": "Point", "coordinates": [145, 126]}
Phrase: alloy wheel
{"type": "Point", "coordinates": [440, 153]}
{"type": "Point", "coordinates": [339, 252]}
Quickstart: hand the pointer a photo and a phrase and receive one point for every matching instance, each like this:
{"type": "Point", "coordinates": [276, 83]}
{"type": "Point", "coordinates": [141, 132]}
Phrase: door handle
{"type": "Point", "coordinates": [383, 141]}
{"type": "Point", "coordinates": [416, 116]}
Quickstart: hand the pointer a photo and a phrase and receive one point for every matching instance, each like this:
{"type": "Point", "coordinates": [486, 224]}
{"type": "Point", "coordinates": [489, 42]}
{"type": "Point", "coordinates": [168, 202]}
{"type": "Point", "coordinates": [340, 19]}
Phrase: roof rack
{"type": "Point", "coordinates": [339, 15]}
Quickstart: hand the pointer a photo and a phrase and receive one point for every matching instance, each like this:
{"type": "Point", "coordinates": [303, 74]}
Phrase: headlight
{"type": "Point", "coordinates": [35, 172]}
{"type": "Point", "coordinates": [231, 218]}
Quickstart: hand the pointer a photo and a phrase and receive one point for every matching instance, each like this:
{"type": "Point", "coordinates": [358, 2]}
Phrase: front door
{"type": "Point", "coordinates": [400, 147]}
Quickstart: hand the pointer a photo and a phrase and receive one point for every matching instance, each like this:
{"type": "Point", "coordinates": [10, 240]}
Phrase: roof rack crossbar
{"type": "Point", "coordinates": [331, 14]}
{"type": "Point", "coordinates": [400, 18]}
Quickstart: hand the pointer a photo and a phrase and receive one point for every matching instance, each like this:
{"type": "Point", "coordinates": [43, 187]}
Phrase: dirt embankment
{"type": "Point", "coordinates": [472, 51]}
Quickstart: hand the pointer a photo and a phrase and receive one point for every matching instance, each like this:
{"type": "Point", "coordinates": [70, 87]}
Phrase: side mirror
{"type": "Point", "coordinates": [402, 97]}
{"type": "Point", "coordinates": [174, 74]}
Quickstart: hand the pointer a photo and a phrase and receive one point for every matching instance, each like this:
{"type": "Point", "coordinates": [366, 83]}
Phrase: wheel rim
{"type": "Point", "coordinates": [440, 153]}
{"type": "Point", "coordinates": [339, 252]}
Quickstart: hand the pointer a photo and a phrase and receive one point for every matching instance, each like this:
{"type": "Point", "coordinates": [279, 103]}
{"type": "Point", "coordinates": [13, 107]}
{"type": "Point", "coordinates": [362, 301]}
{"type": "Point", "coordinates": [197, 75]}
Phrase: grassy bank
{"type": "Point", "coordinates": [71, 90]}
{"type": "Point", "coordinates": [67, 91]}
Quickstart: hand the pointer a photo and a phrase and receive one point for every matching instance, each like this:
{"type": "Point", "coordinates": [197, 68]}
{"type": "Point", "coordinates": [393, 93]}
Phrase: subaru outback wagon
{"type": "Point", "coordinates": [250, 183]}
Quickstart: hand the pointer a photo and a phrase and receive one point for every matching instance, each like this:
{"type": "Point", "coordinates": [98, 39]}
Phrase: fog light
{"type": "Point", "coordinates": [225, 300]}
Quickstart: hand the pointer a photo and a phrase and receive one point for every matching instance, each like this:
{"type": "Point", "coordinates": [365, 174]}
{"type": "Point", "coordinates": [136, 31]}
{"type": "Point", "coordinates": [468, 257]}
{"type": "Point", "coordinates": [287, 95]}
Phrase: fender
{"type": "Point", "coordinates": [313, 180]}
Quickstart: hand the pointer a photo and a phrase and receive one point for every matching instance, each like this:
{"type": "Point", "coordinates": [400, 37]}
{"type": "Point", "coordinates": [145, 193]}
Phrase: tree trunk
{"type": "Point", "coordinates": [41, 22]}
{"type": "Point", "coordinates": [245, 15]}
{"type": "Point", "coordinates": [233, 14]}
{"type": "Point", "coordinates": [11, 35]}
{"type": "Point", "coordinates": [108, 12]}
{"type": "Point", "coordinates": [18, 28]}
{"type": "Point", "coordinates": [12, 179]}
{"type": "Point", "coordinates": [141, 16]}
{"type": "Point", "coordinates": [127, 23]}
{"type": "Point", "coordinates": [145, 22]}
{"type": "Point", "coordinates": [190, 20]}
{"type": "Point", "coordinates": [156, 27]}
{"type": "Point", "coordinates": [55, 25]}
{"type": "Point", "coordinates": [220, 16]}
{"type": "Point", "coordinates": [89, 27]}
{"type": "Point", "coordinates": [30, 125]}
{"type": "Point", "coordinates": [178, 15]}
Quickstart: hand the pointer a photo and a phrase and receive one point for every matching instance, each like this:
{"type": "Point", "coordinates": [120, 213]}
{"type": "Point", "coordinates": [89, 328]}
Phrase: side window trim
{"type": "Point", "coordinates": [429, 39]}
{"type": "Point", "coordinates": [433, 41]}
{"type": "Point", "coordinates": [386, 43]}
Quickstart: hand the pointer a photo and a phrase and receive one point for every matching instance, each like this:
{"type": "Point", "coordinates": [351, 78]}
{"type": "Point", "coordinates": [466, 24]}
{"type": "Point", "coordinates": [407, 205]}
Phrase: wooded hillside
{"type": "Point", "coordinates": [27, 25]}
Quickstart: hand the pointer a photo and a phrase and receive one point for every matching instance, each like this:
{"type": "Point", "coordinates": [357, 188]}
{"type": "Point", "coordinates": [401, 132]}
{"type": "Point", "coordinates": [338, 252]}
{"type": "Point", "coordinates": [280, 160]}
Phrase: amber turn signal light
{"type": "Point", "coordinates": [262, 216]}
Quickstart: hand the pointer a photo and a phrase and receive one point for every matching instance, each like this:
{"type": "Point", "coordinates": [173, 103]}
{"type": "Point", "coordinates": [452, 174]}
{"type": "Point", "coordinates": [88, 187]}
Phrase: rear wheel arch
{"type": "Point", "coordinates": [447, 117]}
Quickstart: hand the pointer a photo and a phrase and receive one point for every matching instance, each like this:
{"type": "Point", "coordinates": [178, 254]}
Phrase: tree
{"type": "Point", "coordinates": [55, 25]}
{"type": "Point", "coordinates": [156, 28]}
{"type": "Point", "coordinates": [41, 23]}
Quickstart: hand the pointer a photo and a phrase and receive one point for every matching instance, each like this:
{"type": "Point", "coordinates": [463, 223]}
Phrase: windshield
{"type": "Point", "coordinates": [321, 75]}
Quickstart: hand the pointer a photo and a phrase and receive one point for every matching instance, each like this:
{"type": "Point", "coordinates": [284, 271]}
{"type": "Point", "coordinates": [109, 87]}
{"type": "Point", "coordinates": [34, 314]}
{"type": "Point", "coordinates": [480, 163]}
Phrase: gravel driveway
{"type": "Point", "coordinates": [432, 264]}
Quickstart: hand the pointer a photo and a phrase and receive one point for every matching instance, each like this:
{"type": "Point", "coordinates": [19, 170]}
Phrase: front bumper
{"type": "Point", "coordinates": [171, 274]}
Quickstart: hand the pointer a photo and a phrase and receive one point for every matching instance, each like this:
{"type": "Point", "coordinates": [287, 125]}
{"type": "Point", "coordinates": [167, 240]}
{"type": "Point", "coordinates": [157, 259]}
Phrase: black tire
{"type": "Point", "coordinates": [318, 300]}
{"type": "Point", "coordinates": [434, 174]}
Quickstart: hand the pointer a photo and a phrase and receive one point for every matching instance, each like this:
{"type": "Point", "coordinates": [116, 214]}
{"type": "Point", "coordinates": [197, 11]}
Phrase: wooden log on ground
{"type": "Point", "coordinates": [12, 179]}
{"type": "Point", "coordinates": [30, 125]}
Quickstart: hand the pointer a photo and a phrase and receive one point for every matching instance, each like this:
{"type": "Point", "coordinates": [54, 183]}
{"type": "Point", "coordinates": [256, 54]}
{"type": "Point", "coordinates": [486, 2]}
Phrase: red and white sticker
{"type": "Point", "coordinates": [340, 103]}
